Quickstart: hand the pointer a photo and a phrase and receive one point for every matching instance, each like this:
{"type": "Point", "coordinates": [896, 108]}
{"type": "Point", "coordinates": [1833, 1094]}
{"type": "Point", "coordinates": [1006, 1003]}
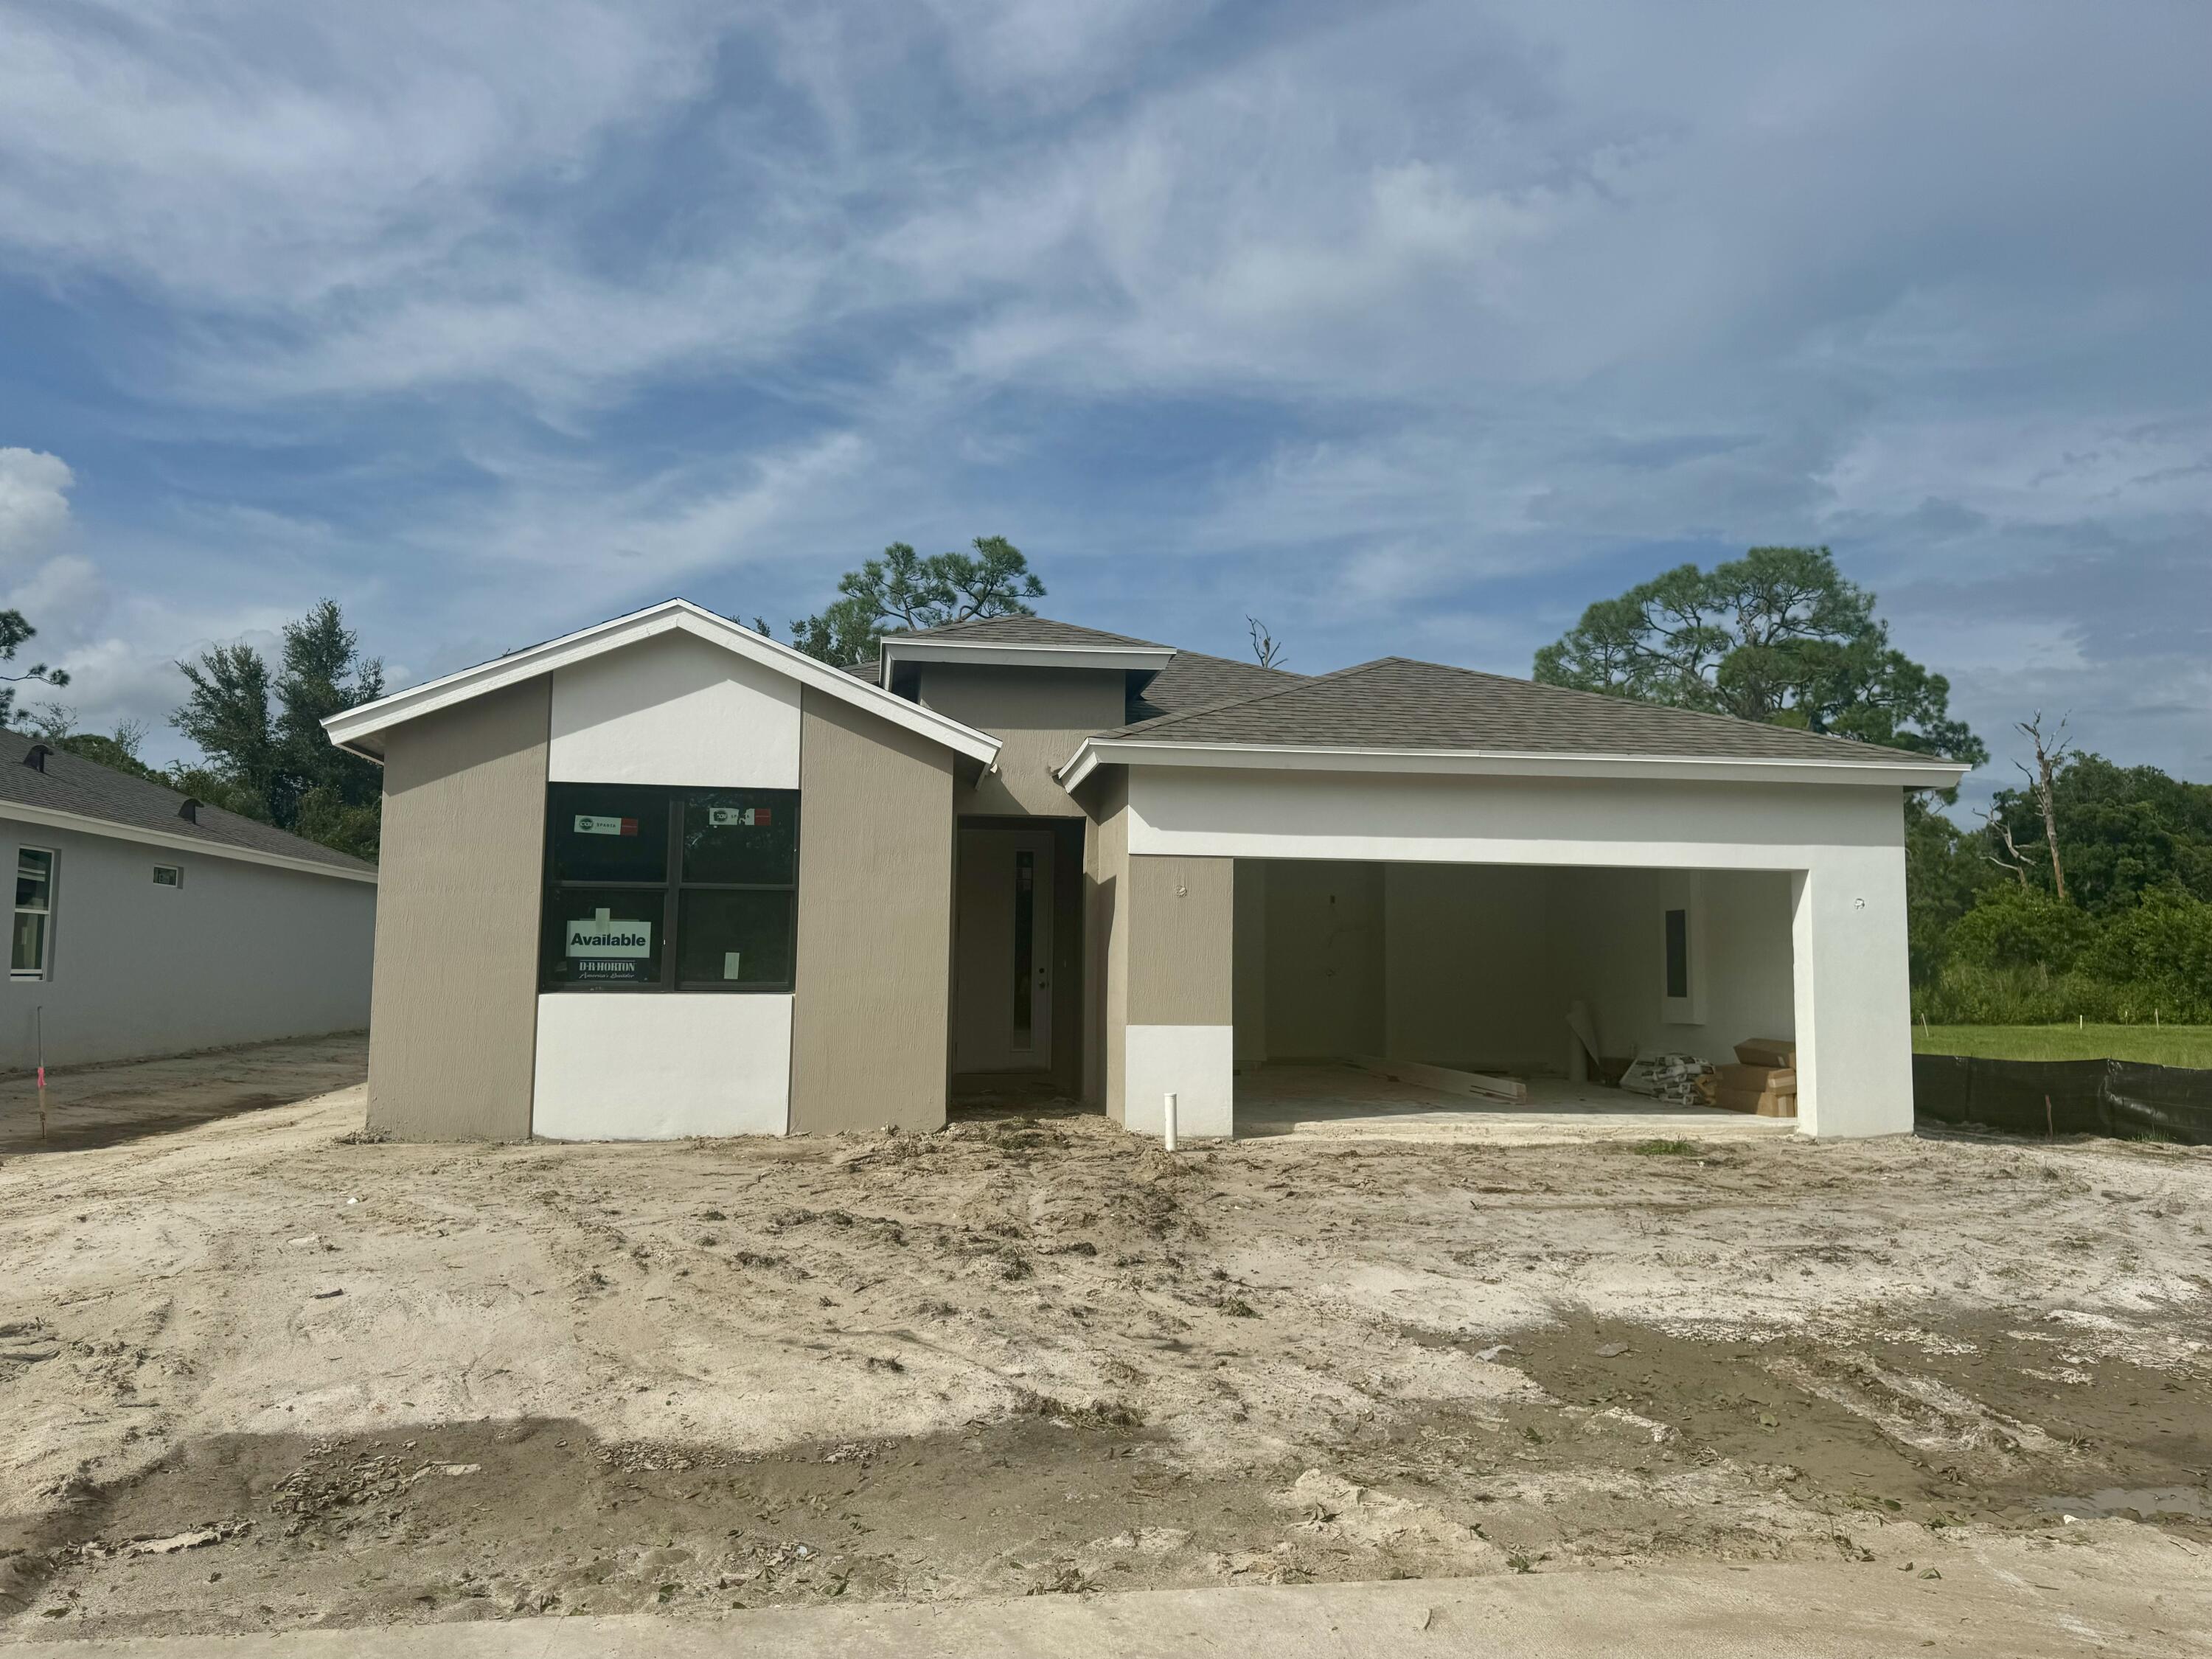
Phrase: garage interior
{"type": "Point", "coordinates": [1353, 979]}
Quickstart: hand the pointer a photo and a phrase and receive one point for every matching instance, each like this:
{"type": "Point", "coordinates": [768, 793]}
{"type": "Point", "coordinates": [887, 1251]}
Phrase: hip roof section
{"type": "Point", "coordinates": [1397, 706]}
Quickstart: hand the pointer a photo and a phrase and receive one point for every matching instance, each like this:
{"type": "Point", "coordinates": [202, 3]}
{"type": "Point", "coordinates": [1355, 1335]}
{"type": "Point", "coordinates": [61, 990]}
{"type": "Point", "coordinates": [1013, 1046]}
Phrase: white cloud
{"type": "Point", "coordinates": [34, 504]}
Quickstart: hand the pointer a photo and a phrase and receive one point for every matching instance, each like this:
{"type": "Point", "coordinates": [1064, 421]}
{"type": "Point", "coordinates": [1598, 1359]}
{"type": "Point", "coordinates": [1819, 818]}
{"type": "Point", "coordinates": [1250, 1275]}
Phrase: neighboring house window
{"type": "Point", "coordinates": [670, 889]}
{"type": "Point", "coordinates": [34, 913]}
{"type": "Point", "coordinates": [168, 875]}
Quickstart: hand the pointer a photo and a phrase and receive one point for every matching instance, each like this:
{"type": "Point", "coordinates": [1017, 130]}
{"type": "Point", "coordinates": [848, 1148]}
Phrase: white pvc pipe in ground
{"type": "Point", "coordinates": [1167, 1138]}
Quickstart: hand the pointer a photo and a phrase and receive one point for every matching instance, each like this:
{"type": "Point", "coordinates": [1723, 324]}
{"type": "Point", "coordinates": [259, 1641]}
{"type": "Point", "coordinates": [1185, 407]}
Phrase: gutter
{"type": "Point", "coordinates": [1095, 752]}
{"type": "Point", "coordinates": [55, 818]}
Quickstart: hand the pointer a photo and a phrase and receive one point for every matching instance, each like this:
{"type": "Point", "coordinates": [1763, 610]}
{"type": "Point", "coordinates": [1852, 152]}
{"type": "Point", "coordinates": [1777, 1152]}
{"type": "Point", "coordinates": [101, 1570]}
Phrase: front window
{"type": "Point", "coordinates": [662, 889]}
{"type": "Point", "coordinates": [34, 913]}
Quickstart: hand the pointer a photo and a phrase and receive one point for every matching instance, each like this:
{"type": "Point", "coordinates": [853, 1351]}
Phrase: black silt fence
{"type": "Point", "coordinates": [2115, 1097]}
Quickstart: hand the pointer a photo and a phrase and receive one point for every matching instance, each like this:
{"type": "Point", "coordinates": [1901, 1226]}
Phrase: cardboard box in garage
{"type": "Point", "coordinates": [1759, 1079]}
{"type": "Point", "coordinates": [1765, 1090]}
{"type": "Point", "coordinates": [1780, 1053]}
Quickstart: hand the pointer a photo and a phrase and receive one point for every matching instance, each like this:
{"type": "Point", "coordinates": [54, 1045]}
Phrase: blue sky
{"type": "Point", "coordinates": [1411, 328]}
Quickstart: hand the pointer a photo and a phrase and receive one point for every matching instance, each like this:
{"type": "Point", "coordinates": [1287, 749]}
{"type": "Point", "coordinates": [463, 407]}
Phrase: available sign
{"type": "Point", "coordinates": [589, 825]}
{"type": "Point", "coordinates": [603, 936]}
{"type": "Point", "coordinates": [726, 817]}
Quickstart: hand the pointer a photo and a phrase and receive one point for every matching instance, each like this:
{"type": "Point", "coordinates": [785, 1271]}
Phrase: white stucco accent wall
{"type": "Point", "coordinates": [674, 710]}
{"type": "Point", "coordinates": [677, 711]}
{"type": "Point", "coordinates": [648, 1067]}
{"type": "Point", "coordinates": [1198, 1062]}
{"type": "Point", "coordinates": [1841, 846]}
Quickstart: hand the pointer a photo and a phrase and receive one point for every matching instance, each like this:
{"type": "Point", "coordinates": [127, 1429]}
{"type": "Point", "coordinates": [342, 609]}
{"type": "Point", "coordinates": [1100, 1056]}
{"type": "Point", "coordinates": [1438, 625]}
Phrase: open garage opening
{"type": "Point", "coordinates": [1367, 993]}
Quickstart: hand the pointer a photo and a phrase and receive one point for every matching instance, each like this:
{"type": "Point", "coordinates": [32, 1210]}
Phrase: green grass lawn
{"type": "Point", "coordinates": [2169, 1045]}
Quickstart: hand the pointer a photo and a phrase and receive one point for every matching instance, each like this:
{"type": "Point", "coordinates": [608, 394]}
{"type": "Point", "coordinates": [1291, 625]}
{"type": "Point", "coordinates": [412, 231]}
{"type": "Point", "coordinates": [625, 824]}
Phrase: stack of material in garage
{"type": "Point", "coordinates": [1763, 1080]}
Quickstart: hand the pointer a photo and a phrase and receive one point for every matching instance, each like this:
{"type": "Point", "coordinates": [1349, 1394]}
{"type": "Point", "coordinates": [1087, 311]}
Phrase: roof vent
{"type": "Point", "coordinates": [189, 811]}
{"type": "Point", "coordinates": [35, 755]}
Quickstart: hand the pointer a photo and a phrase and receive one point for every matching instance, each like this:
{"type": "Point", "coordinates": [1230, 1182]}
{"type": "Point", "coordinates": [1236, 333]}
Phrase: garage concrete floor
{"type": "Point", "coordinates": [1336, 1101]}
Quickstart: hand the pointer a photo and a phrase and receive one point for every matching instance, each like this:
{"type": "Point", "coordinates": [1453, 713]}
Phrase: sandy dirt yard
{"type": "Point", "coordinates": [257, 1373]}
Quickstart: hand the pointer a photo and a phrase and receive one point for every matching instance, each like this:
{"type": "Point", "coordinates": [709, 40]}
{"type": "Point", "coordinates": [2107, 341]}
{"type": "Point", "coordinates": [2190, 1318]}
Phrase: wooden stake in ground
{"type": "Point", "coordinates": [41, 1018]}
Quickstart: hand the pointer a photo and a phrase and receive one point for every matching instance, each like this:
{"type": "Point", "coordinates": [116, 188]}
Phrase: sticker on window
{"type": "Point", "coordinates": [589, 825]}
{"type": "Point", "coordinates": [727, 817]}
{"type": "Point", "coordinates": [730, 960]}
{"type": "Point", "coordinates": [603, 936]}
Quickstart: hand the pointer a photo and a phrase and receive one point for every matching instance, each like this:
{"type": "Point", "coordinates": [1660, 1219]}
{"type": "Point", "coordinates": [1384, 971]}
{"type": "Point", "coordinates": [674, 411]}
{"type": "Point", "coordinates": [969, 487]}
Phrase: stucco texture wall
{"type": "Point", "coordinates": [1324, 960]}
{"type": "Point", "coordinates": [874, 978]}
{"type": "Point", "coordinates": [1105, 881]}
{"type": "Point", "coordinates": [1041, 715]}
{"type": "Point", "coordinates": [239, 953]}
{"type": "Point", "coordinates": [453, 1035]}
{"type": "Point", "coordinates": [1609, 928]}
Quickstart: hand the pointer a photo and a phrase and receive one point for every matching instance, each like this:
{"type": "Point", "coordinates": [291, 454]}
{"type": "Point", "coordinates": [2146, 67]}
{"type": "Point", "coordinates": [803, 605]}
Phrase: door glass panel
{"type": "Point", "coordinates": [1024, 945]}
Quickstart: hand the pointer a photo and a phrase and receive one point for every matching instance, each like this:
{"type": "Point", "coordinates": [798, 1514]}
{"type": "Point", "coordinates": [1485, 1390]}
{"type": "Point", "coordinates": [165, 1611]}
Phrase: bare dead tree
{"type": "Point", "coordinates": [2016, 858]}
{"type": "Point", "coordinates": [1265, 648]}
{"type": "Point", "coordinates": [2049, 753]}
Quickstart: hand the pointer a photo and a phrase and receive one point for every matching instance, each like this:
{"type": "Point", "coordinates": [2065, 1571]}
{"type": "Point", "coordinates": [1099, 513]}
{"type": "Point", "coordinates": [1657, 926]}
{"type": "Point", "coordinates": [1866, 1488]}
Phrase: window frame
{"type": "Point", "coordinates": [672, 889]}
{"type": "Point", "coordinates": [44, 968]}
{"type": "Point", "coordinates": [176, 871]}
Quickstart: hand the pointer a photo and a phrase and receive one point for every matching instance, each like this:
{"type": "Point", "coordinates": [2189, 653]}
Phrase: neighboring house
{"type": "Point", "coordinates": [666, 877]}
{"type": "Point", "coordinates": [146, 923]}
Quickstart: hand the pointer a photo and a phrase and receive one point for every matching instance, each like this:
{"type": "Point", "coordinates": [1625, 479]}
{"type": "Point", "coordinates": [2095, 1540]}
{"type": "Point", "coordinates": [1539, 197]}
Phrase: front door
{"type": "Point", "coordinates": [1002, 1017]}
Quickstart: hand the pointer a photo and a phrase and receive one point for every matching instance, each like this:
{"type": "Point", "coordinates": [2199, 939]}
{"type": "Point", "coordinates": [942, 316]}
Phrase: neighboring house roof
{"type": "Point", "coordinates": [1385, 714]}
{"type": "Point", "coordinates": [360, 730]}
{"type": "Point", "coordinates": [75, 793]}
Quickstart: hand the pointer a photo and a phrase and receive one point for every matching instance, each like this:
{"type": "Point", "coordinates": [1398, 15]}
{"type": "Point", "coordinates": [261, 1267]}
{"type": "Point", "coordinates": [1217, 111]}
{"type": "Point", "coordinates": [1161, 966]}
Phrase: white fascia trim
{"type": "Point", "coordinates": [1141, 658]}
{"type": "Point", "coordinates": [54, 818]}
{"type": "Point", "coordinates": [349, 729]}
{"type": "Point", "coordinates": [1135, 751]}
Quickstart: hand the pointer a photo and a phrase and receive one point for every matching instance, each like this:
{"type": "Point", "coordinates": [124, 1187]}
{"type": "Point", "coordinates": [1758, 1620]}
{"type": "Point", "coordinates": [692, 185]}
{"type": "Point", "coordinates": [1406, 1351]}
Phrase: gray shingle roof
{"type": "Point", "coordinates": [70, 784]}
{"type": "Point", "coordinates": [1024, 630]}
{"type": "Point", "coordinates": [1397, 703]}
{"type": "Point", "coordinates": [1193, 681]}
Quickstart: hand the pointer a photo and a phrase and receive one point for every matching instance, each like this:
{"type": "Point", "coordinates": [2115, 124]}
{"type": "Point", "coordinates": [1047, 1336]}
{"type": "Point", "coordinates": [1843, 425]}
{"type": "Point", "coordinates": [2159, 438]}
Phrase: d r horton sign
{"type": "Point", "coordinates": [599, 944]}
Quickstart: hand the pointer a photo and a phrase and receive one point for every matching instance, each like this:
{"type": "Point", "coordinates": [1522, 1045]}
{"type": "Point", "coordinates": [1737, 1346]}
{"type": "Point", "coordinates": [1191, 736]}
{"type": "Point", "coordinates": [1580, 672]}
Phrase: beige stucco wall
{"type": "Point", "coordinates": [453, 1023]}
{"type": "Point", "coordinates": [1182, 923]}
{"type": "Point", "coordinates": [1042, 714]}
{"type": "Point", "coordinates": [1106, 871]}
{"type": "Point", "coordinates": [1325, 958]}
{"type": "Point", "coordinates": [1469, 973]}
{"type": "Point", "coordinates": [875, 924]}
{"type": "Point", "coordinates": [1249, 996]}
